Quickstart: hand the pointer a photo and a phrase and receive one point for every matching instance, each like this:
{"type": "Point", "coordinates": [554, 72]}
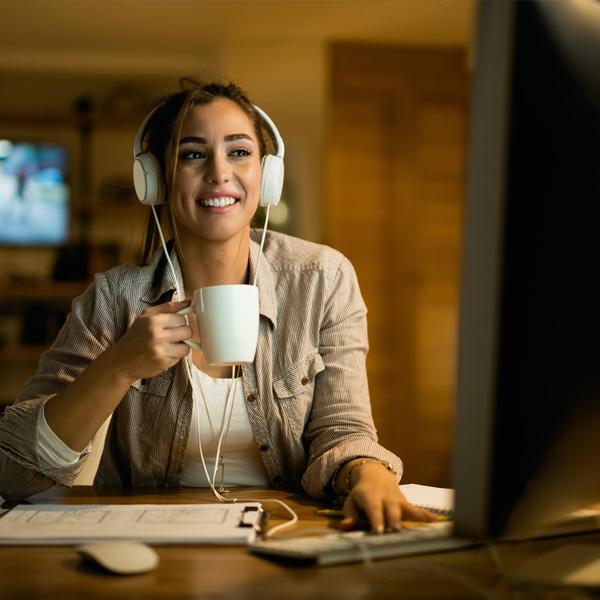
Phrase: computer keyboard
{"type": "Point", "coordinates": [357, 546]}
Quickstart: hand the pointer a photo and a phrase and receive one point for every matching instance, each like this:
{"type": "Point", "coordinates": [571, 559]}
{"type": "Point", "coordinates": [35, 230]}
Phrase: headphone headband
{"type": "Point", "coordinates": [280, 150]}
{"type": "Point", "coordinates": [139, 136]}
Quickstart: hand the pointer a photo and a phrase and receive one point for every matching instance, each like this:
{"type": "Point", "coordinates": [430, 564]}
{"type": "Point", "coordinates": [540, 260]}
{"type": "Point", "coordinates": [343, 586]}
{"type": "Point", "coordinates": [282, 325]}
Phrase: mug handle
{"type": "Point", "coordinates": [195, 345]}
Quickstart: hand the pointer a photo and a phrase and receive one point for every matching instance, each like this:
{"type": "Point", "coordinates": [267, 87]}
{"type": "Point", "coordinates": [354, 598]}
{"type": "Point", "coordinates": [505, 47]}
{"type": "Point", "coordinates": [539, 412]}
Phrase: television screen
{"type": "Point", "coordinates": [34, 193]}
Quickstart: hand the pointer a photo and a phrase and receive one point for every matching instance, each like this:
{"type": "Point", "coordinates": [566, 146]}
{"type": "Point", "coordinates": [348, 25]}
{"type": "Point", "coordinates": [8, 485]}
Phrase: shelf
{"type": "Point", "coordinates": [13, 355]}
{"type": "Point", "coordinates": [42, 292]}
{"type": "Point", "coordinates": [99, 122]}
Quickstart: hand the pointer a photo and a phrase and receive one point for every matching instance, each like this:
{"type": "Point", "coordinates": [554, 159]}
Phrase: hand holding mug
{"type": "Point", "coordinates": [154, 342]}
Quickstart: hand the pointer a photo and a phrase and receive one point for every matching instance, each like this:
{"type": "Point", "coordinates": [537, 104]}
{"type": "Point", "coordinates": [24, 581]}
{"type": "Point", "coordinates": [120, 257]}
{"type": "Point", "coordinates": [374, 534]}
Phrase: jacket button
{"type": "Point", "coordinates": [264, 447]}
{"type": "Point", "coordinates": [304, 380]}
{"type": "Point", "coordinates": [251, 397]}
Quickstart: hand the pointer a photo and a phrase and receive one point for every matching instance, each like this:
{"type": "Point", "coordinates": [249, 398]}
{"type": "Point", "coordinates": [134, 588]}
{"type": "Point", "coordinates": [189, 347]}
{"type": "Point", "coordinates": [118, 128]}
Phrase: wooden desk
{"type": "Point", "coordinates": [222, 573]}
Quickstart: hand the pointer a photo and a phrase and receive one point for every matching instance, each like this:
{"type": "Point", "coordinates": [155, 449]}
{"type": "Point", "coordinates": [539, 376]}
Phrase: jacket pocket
{"type": "Point", "coordinates": [294, 388]}
{"type": "Point", "coordinates": [146, 402]}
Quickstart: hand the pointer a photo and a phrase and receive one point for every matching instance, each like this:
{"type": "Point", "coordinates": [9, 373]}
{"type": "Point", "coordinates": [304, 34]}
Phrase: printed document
{"type": "Point", "coordinates": [52, 524]}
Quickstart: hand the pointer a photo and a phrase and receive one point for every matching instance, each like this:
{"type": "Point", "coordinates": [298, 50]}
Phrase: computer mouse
{"type": "Point", "coordinates": [124, 558]}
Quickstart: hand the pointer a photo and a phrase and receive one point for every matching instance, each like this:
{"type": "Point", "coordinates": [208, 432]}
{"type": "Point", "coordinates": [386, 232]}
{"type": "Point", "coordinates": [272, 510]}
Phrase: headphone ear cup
{"type": "Point", "coordinates": [271, 182]}
{"type": "Point", "coordinates": [147, 179]}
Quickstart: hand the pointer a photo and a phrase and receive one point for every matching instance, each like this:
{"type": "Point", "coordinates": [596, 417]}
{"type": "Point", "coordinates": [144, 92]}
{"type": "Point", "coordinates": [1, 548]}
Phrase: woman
{"type": "Point", "coordinates": [303, 415]}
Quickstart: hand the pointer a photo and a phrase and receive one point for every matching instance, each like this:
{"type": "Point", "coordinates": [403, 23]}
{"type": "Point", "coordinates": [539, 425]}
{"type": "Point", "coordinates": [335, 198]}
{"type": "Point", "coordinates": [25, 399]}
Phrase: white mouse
{"type": "Point", "coordinates": [124, 558]}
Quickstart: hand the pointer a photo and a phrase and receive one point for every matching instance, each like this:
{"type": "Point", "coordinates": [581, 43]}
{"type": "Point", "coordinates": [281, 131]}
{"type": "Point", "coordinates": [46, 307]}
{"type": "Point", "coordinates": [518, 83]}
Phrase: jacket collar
{"type": "Point", "coordinates": [163, 286]}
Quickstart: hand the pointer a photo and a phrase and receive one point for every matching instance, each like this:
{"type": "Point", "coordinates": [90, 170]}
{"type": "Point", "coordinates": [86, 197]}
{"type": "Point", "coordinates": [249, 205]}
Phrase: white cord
{"type": "Point", "coordinates": [193, 383]}
{"type": "Point", "coordinates": [209, 479]}
{"type": "Point", "coordinates": [281, 526]}
{"type": "Point", "coordinates": [229, 402]}
{"type": "Point", "coordinates": [188, 371]}
{"type": "Point", "coordinates": [262, 243]}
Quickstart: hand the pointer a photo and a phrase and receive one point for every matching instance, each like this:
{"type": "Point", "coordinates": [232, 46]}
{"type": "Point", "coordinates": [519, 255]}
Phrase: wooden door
{"type": "Point", "coordinates": [396, 159]}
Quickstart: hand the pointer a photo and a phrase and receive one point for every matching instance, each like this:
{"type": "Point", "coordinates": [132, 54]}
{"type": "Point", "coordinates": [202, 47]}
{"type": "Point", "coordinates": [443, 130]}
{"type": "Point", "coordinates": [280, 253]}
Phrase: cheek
{"type": "Point", "coordinates": [184, 178]}
{"type": "Point", "coordinates": [183, 187]}
{"type": "Point", "coordinates": [251, 178]}
{"type": "Point", "coordinates": [179, 199]}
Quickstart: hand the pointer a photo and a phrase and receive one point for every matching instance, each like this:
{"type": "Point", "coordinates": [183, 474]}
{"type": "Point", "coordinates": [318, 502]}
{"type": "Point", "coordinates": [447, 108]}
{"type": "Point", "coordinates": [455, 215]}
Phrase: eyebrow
{"type": "Point", "coordinates": [232, 137]}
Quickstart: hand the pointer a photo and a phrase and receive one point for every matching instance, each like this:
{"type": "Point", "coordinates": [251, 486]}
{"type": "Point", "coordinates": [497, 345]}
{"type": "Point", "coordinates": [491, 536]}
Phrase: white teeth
{"type": "Point", "coordinates": [218, 202]}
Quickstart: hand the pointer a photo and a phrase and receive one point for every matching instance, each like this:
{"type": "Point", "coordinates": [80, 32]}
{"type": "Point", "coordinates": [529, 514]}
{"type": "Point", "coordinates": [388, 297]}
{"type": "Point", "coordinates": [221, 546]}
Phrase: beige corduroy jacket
{"type": "Point", "coordinates": [306, 392]}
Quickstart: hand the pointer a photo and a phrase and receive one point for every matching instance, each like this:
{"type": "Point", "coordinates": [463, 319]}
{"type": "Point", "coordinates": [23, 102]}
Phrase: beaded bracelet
{"type": "Point", "coordinates": [358, 463]}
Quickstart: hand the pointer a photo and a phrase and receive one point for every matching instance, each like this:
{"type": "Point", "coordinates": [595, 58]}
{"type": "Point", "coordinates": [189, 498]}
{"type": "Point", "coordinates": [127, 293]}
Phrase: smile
{"type": "Point", "coordinates": [218, 202]}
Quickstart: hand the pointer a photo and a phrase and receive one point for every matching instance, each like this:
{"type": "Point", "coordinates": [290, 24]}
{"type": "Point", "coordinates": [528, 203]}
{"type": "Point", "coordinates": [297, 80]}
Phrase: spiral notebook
{"type": "Point", "coordinates": [435, 499]}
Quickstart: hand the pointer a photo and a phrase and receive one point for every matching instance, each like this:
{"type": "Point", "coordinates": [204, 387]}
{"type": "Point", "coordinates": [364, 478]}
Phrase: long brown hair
{"type": "Point", "coordinates": [162, 136]}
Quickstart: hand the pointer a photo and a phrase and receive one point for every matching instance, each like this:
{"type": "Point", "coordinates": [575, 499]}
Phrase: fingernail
{"type": "Point", "coordinates": [379, 529]}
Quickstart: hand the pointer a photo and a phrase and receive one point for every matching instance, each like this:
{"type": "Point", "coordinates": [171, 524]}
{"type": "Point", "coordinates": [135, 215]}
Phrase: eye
{"type": "Point", "coordinates": [240, 152]}
{"type": "Point", "coordinates": [191, 155]}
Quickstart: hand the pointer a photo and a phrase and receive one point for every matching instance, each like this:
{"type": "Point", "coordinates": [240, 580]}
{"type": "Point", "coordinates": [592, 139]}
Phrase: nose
{"type": "Point", "coordinates": [218, 170]}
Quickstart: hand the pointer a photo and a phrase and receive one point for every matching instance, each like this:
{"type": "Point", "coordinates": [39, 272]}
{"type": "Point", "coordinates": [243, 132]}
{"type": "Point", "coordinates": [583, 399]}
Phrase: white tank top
{"type": "Point", "coordinates": [241, 457]}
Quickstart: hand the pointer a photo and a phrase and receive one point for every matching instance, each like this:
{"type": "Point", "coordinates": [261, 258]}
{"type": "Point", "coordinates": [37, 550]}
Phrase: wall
{"type": "Point", "coordinates": [396, 172]}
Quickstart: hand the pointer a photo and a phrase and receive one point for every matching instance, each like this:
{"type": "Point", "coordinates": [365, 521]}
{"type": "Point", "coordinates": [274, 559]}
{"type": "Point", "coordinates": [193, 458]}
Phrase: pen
{"type": "Point", "coordinates": [330, 512]}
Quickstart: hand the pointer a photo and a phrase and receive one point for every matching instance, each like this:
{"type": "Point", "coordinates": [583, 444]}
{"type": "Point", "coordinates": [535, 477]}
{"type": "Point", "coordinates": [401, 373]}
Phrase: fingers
{"type": "Point", "coordinates": [380, 510]}
{"type": "Point", "coordinates": [178, 350]}
{"type": "Point", "coordinates": [159, 323]}
{"type": "Point", "coordinates": [351, 518]}
{"type": "Point", "coordinates": [171, 331]}
{"type": "Point", "coordinates": [154, 341]}
{"type": "Point", "coordinates": [167, 307]}
{"type": "Point", "coordinates": [414, 513]}
{"type": "Point", "coordinates": [393, 516]}
{"type": "Point", "coordinates": [375, 515]}
{"type": "Point", "coordinates": [363, 512]}
{"type": "Point", "coordinates": [177, 334]}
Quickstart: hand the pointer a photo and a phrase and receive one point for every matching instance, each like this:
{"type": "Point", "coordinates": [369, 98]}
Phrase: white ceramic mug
{"type": "Point", "coordinates": [228, 323]}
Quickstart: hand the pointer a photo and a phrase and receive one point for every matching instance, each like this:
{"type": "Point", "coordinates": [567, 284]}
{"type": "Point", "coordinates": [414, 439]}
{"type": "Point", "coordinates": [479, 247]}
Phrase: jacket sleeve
{"type": "Point", "coordinates": [341, 425]}
{"type": "Point", "coordinates": [87, 332]}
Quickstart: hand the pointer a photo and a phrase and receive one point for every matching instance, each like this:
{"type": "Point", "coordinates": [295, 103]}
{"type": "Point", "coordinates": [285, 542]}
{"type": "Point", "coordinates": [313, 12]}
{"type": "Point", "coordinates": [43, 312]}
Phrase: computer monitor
{"type": "Point", "coordinates": [527, 447]}
{"type": "Point", "coordinates": [34, 192]}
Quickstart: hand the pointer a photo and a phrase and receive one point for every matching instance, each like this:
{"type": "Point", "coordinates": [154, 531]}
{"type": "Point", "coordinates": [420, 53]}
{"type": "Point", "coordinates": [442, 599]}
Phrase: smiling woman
{"type": "Point", "coordinates": [184, 137]}
{"type": "Point", "coordinates": [297, 416]}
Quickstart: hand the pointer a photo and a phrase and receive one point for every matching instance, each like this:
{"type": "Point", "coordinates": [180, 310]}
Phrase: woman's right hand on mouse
{"type": "Point", "coordinates": [154, 342]}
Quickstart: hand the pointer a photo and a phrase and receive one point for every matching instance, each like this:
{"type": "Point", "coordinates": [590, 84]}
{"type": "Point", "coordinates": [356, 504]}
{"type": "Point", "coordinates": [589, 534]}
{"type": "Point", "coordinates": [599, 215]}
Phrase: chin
{"type": "Point", "coordinates": [221, 235]}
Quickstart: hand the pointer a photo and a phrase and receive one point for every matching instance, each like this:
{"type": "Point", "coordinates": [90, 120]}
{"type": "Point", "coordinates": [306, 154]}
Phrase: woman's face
{"type": "Point", "coordinates": [217, 181]}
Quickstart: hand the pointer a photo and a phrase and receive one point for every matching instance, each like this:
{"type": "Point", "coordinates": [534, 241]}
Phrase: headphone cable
{"type": "Point", "coordinates": [211, 482]}
{"type": "Point", "coordinates": [262, 243]}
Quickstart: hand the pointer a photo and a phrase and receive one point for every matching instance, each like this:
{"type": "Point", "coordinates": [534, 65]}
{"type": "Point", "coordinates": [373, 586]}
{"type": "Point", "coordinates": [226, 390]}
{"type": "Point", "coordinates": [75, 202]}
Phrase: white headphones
{"type": "Point", "coordinates": [149, 182]}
